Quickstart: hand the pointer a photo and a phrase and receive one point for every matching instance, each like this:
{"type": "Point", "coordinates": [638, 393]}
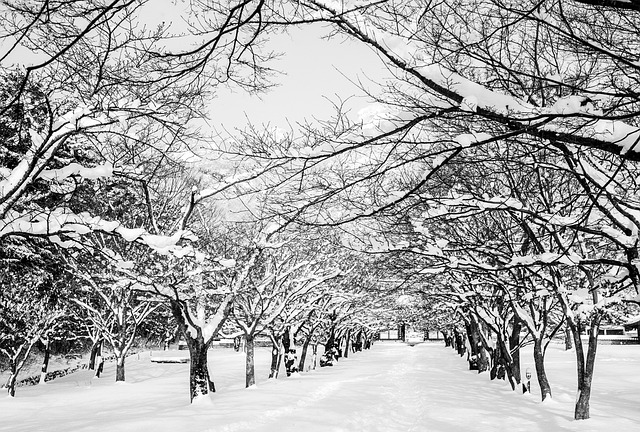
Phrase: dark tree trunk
{"type": "Point", "coordinates": [290, 359]}
{"type": "Point", "coordinates": [286, 340]}
{"type": "Point", "coordinates": [305, 347]}
{"type": "Point", "coordinates": [169, 336]}
{"type": "Point", "coordinates": [346, 343]}
{"type": "Point", "coordinates": [360, 340]}
{"type": "Point", "coordinates": [484, 362]}
{"type": "Point", "coordinates": [120, 368]}
{"type": "Point", "coordinates": [100, 358]}
{"type": "Point", "coordinates": [314, 357]}
{"type": "Point", "coordinates": [16, 362]}
{"type": "Point", "coordinates": [367, 340]}
{"type": "Point", "coordinates": [507, 361]}
{"type": "Point", "coordinates": [538, 358]}
{"type": "Point", "coordinates": [45, 362]}
{"type": "Point", "coordinates": [291, 362]}
{"type": "Point", "coordinates": [585, 369]}
{"type": "Point", "coordinates": [275, 356]}
{"type": "Point", "coordinates": [494, 364]}
{"type": "Point", "coordinates": [278, 363]}
{"type": "Point", "coordinates": [459, 341]}
{"type": "Point", "coordinates": [200, 384]}
{"type": "Point", "coordinates": [100, 368]}
{"type": "Point", "coordinates": [501, 362]}
{"type": "Point", "coordinates": [13, 378]}
{"type": "Point", "coordinates": [338, 347]}
{"type": "Point", "coordinates": [514, 349]}
{"type": "Point", "coordinates": [95, 350]}
{"type": "Point", "coordinates": [125, 334]}
{"type": "Point", "coordinates": [275, 353]}
{"type": "Point", "coordinates": [568, 339]}
{"type": "Point", "coordinates": [250, 368]}
{"type": "Point", "coordinates": [332, 339]}
{"type": "Point", "coordinates": [473, 337]}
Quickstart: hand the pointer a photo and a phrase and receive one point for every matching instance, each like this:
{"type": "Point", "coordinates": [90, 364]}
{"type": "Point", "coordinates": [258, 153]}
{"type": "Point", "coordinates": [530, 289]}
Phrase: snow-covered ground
{"type": "Point", "coordinates": [393, 387]}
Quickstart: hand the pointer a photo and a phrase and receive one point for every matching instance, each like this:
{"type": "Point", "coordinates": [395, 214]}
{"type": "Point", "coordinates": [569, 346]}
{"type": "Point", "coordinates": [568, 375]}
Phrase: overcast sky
{"type": "Point", "coordinates": [313, 67]}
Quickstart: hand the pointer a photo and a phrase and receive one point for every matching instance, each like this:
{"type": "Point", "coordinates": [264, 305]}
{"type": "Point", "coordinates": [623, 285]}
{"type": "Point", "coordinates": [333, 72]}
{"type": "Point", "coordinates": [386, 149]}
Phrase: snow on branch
{"type": "Point", "coordinates": [570, 120]}
{"type": "Point", "coordinates": [75, 169]}
{"type": "Point", "coordinates": [59, 221]}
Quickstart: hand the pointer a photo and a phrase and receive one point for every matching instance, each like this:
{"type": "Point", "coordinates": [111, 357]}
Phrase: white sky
{"type": "Point", "coordinates": [313, 67]}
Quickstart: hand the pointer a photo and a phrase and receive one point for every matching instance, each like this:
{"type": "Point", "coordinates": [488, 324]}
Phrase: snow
{"type": "Point", "coordinates": [469, 103]}
{"type": "Point", "coordinates": [466, 140]}
{"type": "Point", "coordinates": [61, 220]}
{"type": "Point", "coordinates": [572, 105]}
{"type": "Point", "coordinates": [400, 45]}
{"type": "Point", "coordinates": [378, 119]}
{"type": "Point", "coordinates": [227, 262]}
{"type": "Point", "coordinates": [393, 387]}
{"type": "Point", "coordinates": [103, 170]}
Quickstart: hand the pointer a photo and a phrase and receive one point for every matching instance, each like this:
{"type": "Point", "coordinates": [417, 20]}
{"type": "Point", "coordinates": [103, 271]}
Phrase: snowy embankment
{"type": "Point", "coordinates": [393, 387]}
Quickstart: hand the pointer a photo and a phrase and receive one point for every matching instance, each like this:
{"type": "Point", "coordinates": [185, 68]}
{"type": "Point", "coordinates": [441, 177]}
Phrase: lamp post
{"type": "Point", "coordinates": [528, 375]}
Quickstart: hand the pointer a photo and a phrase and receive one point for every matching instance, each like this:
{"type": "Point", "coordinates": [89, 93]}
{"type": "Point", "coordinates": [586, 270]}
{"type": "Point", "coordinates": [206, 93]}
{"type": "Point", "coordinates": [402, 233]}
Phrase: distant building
{"type": "Point", "coordinates": [402, 330]}
{"type": "Point", "coordinates": [632, 327]}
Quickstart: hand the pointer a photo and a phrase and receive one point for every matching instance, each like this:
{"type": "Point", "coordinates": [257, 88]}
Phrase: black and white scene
{"type": "Point", "coordinates": [319, 215]}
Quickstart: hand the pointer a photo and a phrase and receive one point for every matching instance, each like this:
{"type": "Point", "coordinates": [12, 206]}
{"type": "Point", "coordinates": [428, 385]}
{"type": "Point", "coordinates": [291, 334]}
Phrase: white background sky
{"type": "Point", "coordinates": [313, 67]}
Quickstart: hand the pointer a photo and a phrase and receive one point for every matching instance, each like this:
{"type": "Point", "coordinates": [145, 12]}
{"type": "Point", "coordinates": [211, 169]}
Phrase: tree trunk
{"type": "Point", "coordinates": [568, 340]}
{"type": "Point", "coordinates": [120, 367]}
{"type": "Point", "coordinates": [507, 362]}
{"type": "Point", "coordinates": [279, 362]}
{"type": "Point", "coordinates": [484, 361]}
{"type": "Point", "coordinates": [275, 363]}
{"type": "Point", "coordinates": [538, 358]}
{"type": "Point", "coordinates": [275, 356]}
{"type": "Point", "coordinates": [502, 362]}
{"type": "Point", "coordinates": [346, 343]}
{"type": "Point", "coordinates": [514, 349]}
{"type": "Point", "coordinates": [585, 374]}
{"type": "Point", "coordinates": [459, 343]}
{"type": "Point", "coordinates": [275, 353]}
{"type": "Point", "coordinates": [332, 339]}
{"type": "Point", "coordinates": [250, 368]}
{"type": "Point", "coordinates": [16, 363]}
{"type": "Point", "coordinates": [290, 357]}
{"type": "Point", "coordinates": [13, 378]}
{"type": "Point", "coordinates": [303, 354]}
{"type": "Point", "coordinates": [95, 350]}
{"type": "Point", "coordinates": [290, 361]}
{"type": "Point", "coordinates": [200, 384]}
{"type": "Point", "coordinates": [360, 340]}
{"type": "Point", "coordinates": [314, 356]}
{"type": "Point", "coordinates": [99, 359]}
{"type": "Point", "coordinates": [45, 362]}
{"type": "Point", "coordinates": [286, 340]}
{"type": "Point", "coordinates": [473, 337]}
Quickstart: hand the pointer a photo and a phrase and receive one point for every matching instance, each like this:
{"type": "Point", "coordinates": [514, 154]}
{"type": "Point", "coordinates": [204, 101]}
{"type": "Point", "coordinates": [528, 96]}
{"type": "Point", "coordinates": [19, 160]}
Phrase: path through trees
{"type": "Point", "coordinates": [392, 387]}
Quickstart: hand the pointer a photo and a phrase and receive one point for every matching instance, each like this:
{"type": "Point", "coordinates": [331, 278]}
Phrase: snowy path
{"type": "Point", "coordinates": [393, 387]}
